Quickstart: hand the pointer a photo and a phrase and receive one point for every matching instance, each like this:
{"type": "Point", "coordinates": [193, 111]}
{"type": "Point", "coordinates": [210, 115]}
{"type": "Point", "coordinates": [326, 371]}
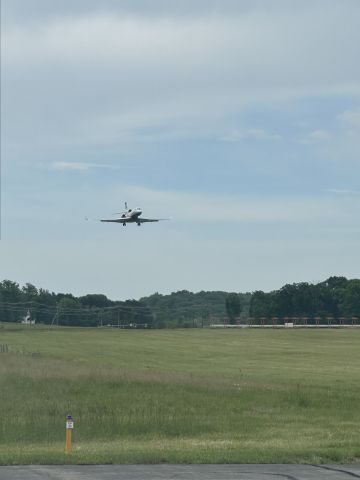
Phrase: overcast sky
{"type": "Point", "coordinates": [238, 119]}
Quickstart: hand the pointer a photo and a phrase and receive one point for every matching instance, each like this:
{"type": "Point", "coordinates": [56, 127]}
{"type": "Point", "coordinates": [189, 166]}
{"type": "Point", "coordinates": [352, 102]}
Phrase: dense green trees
{"type": "Point", "coordinates": [350, 298]}
{"type": "Point", "coordinates": [334, 298]}
{"type": "Point", "coordinates": [65, 309]}
{"type": "Point", "coordinates": [260, 304]}
{"type": "Point", "coordinates": [187, 309]}
{"type": "Point", "coordinates": [95, 300]}
{"type": "Point", "coordinates": [233, 307]}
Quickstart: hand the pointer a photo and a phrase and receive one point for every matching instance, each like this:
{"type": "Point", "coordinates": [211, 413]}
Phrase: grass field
{"type": "Point", "coordinates": [204, 396]}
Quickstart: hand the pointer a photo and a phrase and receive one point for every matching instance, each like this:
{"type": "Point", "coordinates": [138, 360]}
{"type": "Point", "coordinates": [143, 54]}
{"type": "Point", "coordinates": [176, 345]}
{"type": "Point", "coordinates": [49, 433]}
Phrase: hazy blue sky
{"type": "Point", "coordinates": [239, 119]}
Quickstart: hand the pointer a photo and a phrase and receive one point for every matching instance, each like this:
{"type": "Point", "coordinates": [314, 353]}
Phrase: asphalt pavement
{"type": "Point", "coordinates": [180, 472]}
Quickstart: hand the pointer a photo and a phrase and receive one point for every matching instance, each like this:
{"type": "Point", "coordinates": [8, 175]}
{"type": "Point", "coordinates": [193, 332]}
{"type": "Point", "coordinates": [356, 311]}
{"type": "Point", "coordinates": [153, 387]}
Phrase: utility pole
{"type": "Point", "coordinates": [56, 317]}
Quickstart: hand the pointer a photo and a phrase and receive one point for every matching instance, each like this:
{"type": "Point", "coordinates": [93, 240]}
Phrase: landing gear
{"type": "Point", "coordinates": [139, 224]}
{"type": "Point", "coordinates": [124, 224]}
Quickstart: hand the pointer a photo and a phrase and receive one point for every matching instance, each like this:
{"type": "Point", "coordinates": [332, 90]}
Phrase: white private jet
{"type": "Point", "coordinates": [132, 216]}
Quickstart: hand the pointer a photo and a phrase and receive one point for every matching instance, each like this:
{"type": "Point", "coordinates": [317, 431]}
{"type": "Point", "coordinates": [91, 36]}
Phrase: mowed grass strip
{"type": "Point", "coordinates": [180, 396]}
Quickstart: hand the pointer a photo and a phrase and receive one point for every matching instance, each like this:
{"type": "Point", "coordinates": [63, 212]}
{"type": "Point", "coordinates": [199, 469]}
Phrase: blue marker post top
{"type": "Point", "coordinates": [68, 417]}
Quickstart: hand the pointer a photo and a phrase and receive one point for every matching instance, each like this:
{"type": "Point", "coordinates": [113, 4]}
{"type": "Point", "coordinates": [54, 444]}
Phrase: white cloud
{"type": "Point", "coordinates": [351, 118]}
{"type": "Point", "coordinates": [78, 166]}
{"type": "Point", "coordinates": [75, 71]}
{"type": "Point", "coordinates": [250, 133]}
{"type": "Point", "coordinates": [315, 136]}
{"type": "Point", "coordinates": [343, 191]}
{"type": "Point", "coordinates": [319, 135]}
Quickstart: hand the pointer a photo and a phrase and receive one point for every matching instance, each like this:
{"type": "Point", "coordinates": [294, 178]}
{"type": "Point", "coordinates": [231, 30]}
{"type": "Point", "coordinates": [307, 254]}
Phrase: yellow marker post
{"type": "Point", "coordinates": [69, 429]}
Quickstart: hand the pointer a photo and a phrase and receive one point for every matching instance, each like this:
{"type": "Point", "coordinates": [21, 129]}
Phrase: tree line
{"type": "Point", "coordinates": [335, 297]}
{"type": "Point", "coordinates": [65, 309]}
{"type": "Point", "coordinates": [185, 309]}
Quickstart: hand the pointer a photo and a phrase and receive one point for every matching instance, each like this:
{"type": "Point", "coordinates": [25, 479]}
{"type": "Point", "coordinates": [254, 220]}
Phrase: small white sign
{"type": "Point", "coordinates": [69, 424]}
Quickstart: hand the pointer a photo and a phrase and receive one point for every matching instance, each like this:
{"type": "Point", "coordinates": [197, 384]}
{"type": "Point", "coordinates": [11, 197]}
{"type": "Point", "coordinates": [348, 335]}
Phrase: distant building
{"type": "Point", "coordinates": [28, 320]}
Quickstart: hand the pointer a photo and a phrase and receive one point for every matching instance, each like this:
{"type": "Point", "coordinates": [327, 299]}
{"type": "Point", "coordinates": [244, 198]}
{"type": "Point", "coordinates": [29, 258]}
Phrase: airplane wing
{"type": "Point", "coordinates": [145, 220]}
{"type": "Point", "coordinates": [133, 220]}
{"type": "Point", "coordinates": [116, 220]}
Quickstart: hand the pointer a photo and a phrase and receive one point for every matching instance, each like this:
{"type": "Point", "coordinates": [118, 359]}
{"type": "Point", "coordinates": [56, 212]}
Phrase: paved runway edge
{"type": "Point", "coordinates": [180, 472]}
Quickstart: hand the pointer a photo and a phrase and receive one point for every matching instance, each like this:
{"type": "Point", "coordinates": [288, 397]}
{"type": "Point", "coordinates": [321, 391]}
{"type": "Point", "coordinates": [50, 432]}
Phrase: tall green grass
{"type": "Point", "coordinates": [180, 396]}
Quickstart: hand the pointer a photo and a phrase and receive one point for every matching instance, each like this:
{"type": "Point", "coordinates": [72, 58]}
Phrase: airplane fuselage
{"type": "Point", "coordinates": [132, 215]}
